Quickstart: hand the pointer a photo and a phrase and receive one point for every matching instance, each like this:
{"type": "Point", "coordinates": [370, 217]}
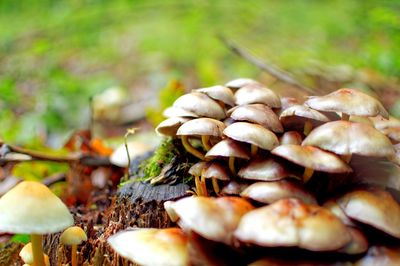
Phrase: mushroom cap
{"type": "Point", "coordinates": [393, 133]}
{"type": "Point", "coordinates": [348, 101]}
{"type": "Point", "coordinates": [149, 246]}
{"type": "Point", "coordinates": [373, 206]}
{"type": "Point", "coordinates": [216, 170]}
{"type": "Point", "coordinates": [311, 157]}
{"type": "Point", "coordinates": [253, 134]}
{"type": "Point", "coordinates": [240, 82]}
{"type": "Point", "coordinates": [291, 137]}
{"type": "Point", "coordinates": [291, 223]}
{"type": "Point", "coordinates": [265, 169]}
{"type": "Point", "coordinates": [234, 188]}
{"type": "Point", "coordinates": [295, 117]}
{"type": "Point", "coordinates": [212, 218]}
{"type": "Point", "coordinates": [201, 105]}
{"type": "Point", "coordinates": [197, 168]}
{"type": "Point", "coordinates": [31, 208]}
{"type": "Point", "coordinates": [259, 114]}
{"type": "Point", "coordinates": [286, 102]}
{"type": "Point", "coordinates": [202, 127]}
{"type": "Point", "coordinates": [381, 122]}
{"type": "Point", "coordinates": [219, 93]}
{"type": "Point", "coordinates": [380, 255]}
{"type": "Point", "coordinates": [170, 126]}
{"type": "Point", "coordinates": [174, 111]}
{"type": "Point", "coordinates": [26, 253]}
{"type": "Point", "coordinates": [135, 149]}
{"type": "Point", "coordinates": [73, 235]}
{"type": "Point", "coordinates": [358, 243]}
{"type": "Point", "coordinates": [228, 148]}
{"type": "Point", "coordinates": [334, 207]}
{"type": "Point", "coordinates": [257, 93]}
{"type": "Point", "coordinates": [344, 137]}
{"type": "Point", "coordinates": [269, 192]}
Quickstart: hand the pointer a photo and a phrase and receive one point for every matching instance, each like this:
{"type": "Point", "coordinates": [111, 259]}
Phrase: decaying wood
{"type": "Point", "coordinates": [9, 254]}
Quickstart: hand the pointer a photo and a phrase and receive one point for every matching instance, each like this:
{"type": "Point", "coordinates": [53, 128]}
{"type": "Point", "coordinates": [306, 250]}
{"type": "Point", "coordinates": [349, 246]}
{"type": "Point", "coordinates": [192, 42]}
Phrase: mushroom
{"type": "Point", "coordinates": [292, 223]}
{"type": "Point", "coordinates": [26, 255]}
{"type": "Point", "coordinates": [257, 93]}
{"type": "Point", "coordinates": [152, 247]}
{"type": "Point", "coordinates": [286, 102]}
{"type": "Point", "coordinates": [346, 138]}
{"type": "Point", "coordinates": [212, 218]}
{"type": "Point", "coordinates": [228, 148]}
{"type": "Point", "coordinates": [31, 208]}
{"type": "Point", "coordinates": [303, 117]}
{"type": "Point", "coordinates": [234, 188]}
{"type": "Point", "coordinates": [173, 111]}
{"type": "Point", "coordinates": [170, 126]}
{"type": "Point", "coordinates": [259, 114]}
{"type": "Point", "coordinates": [380, 255]}
{"type": "Point", "coordinates": [348, 102]}
{"type": "Point", "coordinates": [219, 93]}
{"type": "Point", "coordinates": [291, 137]}
{"type": "Point", "coordinates": [312, 159]}
{"type": "Point", "coordinates": [382, 123]}
{"type": "Point", "coordinates": [256, 135]}
{"type": "Point", "coordinates": [201, 105]}
{"type": "Point", "coordinates": [332, 206]}
{"type": "Point", "coordinates": [374, 207]}
{"type": "Point", "coordinates": [203, 127]}
{"type": "Point", "coordinates": [196, 171]}
{"type": "Point", "coordinates": [135, 148]}
{"type": "Point", "coordinates": [216, 171]}
{"type": "Point", "coordinates": [269, 192]}
{"type": "Point", "coordinates": [358, 243]}
{"type": "Point", "coordinates": [73, 236]}
{"type": "Point", "coordinates": [240, 82]}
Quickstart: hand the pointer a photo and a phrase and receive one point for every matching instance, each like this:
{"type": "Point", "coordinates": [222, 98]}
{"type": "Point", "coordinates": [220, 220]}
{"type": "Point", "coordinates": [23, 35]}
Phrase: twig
{"type": "Point", "coordinates": [275, 71]}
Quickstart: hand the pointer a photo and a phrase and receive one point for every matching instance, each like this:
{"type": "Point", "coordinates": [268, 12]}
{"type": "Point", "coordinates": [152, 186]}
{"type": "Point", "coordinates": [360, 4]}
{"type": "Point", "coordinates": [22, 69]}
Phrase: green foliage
{"type": "Point", "coordinates": [36, 171]}
{"type": "Point", "coordinates": [21, 238]}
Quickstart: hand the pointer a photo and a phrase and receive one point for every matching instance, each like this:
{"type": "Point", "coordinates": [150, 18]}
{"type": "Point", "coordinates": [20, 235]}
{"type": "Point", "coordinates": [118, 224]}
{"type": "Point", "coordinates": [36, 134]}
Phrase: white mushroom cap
{"type": "Point", "coordinates": [228, 148]}
{"type": "Point", "coordinates": [202, 127]}
{"type": "Point", "coordinates": [294, 117]}
{"type": "Point", "coordinates": [344, 137]}
{"type": "Point", "coordinates": [152, 247]}
{"type": "Point", "coordinates": [26, 253]}
{"type": "Point", "coordinates": [253, 134]}
{"type": "Point", "coordinates": [216, 170]}
{"type": "Point", "coordinates": [358, 243]}
{"type": "Point", "coordinates": [173, 111]}
{"type": "Point", "coordinates": [201, 105]}
{"type": "Point", "coordinates": [170, 126]}
{"type": "Point", "coordinates": [31, 208]}
{"type": "Point", "coordinates": [291, 223]}
{"type": "Point", "coordinates": [291, 137]}
{"type": "Point", "coordinates": [240, 82]}
{"type": "Point", "coordinates": [336, 210]}
{"type": "Point", "coordinates": [348, 101]}
{"type": "Point", "coordinates": [381, 122]}
{"type": "Point", "coordinates": [219, 93]}
{"type": "Point", "coordinates": [135, 149]}
{"type": "Point", "coordinates": [375, 207]}
{"type": "Point", "coordinates": [212, 218]}
{"type": "Point", "coordinates": [257, 93]}
{"type": "Point", "coordinates": [73, 235]}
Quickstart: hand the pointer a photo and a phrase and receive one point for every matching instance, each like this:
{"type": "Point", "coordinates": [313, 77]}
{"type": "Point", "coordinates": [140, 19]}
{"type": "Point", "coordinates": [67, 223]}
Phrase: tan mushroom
{"type": "Point", "coordinates": [347, 138]}
{"type": "Point", "coordinates": [212, 218]}
{"type": "Point", "coordinates": [170, 126]}
{"type": "Point", "coordinates": [256, 135]}
{"type": "Point", "coordinates": [393, 133]}
{"type": "Point", "coordinates": [26, 255]}
{"type": "Point", "coordinates": [73, 236]}
{"type": "Point", "coordinates": [269, 192]}
{"type": "Point", "coordinates": [135, 148]}
{"type": "Point", "coordinates": [291, 137]}
{"type": "Point", "coordinates": [312, 159]}
{"type": "Point", "coordinates": [259, 114]}
{"type": "Point", "coordinates": [373, 206]}
{"type": "Point", "coordinates": [382, 123]}
{"type": "Point", "coordinates": [240, 82]}
{"type": "Point", "coordinates": [201, 105]}
{"type": "Point", "coordinates": [219, 93]}
{"type": "Point", "coordinates": [234, 188]}
{"type": "Point", "coordinates": [287, 102]}
{"type": "Point", "coordinates": [152, 247]}
{"type": "Point", "coordinates": [200, 127]}
{"type": "Point", "coordinates": [196, 170]}
{"type": "Point", "coordinates": [348, 102]}
{"type": "Point", "coordinates": [291, 223]}
{"type": "Point", "coordinates": [215, 171]}
{"type": "Point", "coordinates": [334, 207]}
{"type": "Point", "coordinates": [257, 93]}
{"type": "Point", "coordinates": [358, 243]}
{"type": "Point", "coordinates": [174, 111]}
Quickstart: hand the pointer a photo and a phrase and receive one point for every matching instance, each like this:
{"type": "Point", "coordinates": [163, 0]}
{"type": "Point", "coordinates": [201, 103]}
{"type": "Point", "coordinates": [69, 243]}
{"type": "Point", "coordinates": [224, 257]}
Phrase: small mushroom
{"type": "Point", "coordinates": [173, 111]}
{"type": "Point", "coordinates": [73, 236]}
{"type": "Point", "coordinates": [170, 126]}
{"type": "Point", "coordinates": [291, 137]}
{"type": "Point", "coordinates": [216, 171]}
{"type": "Point", "coordinates": [358, 243]}
{"type": "Point", "coordinates": [26, 255]}
{"type": "Point", "coordinates": [219, 93]}
{"type": "Point", "coordinates": [196, 170]}
{"type": "Point", "coordinates": [240, 82]}
{"type": "Point", "coordinates": [152, 247]}
{"type": "Point", "coordinates": [382, 123]}
{"type": "Point", "coordinates": [257, 93]}
{"type": "Point", "coordinates": [135, 148]}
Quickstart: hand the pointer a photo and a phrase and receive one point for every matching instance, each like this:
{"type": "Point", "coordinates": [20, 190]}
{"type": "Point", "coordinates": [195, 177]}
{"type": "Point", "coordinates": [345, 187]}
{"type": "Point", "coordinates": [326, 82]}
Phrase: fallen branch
{"type": "Point", "coordinates": [278, 73]}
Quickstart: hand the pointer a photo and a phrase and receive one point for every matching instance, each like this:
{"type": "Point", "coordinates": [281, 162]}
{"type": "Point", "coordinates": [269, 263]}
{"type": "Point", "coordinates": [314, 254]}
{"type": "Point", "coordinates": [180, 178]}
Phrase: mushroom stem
{"type": "Point", "coordinates": [206, 142]}
{"type": "Point", "coordinates": [74, 258]}
{"type": "Point", "coordinates": [215, 185]}
{"type": "Point", "coordinates": [307, 127]}
{"type": "Point", "coordinates": [346, 157]}
{"type": "Point", "coordinates": [232, 164]}
{"type": "Point", "coordinates": [198, 185]}
{"type": "Point", "coordinates": [37, 250]}
{"type": "Point", "coordinates": [308, 172]}
{"type": "Point", "coordinates": [345, 117]}
{"type": "Point", "coordinates": [189, 148]}
{"type": "Point", "coordinates": [254, 150]}
{"type": "Point", "coordinates": [203, 184]}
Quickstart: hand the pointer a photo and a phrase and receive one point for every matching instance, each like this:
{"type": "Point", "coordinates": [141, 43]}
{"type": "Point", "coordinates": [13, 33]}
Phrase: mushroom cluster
{"type": "Point", "coordinates": [318, 179]}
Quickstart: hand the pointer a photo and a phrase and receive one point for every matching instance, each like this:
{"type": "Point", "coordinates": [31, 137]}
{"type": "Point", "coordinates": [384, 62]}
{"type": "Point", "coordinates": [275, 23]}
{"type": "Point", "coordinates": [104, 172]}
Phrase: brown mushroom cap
{"type": "Point", "coordinates": [358, 243]}
{"type": "Point", "coordinates": [259, 114]}
{"type": "Point", "coordinates": [240, 82]}
{"type": "Point", "coordinates": [234, 188]}
{"type": "Point", "coordinates": [202, 127]}
{"type": "Point", "coordinates": [344, 138]}
{"type": "Point", "coordinates": [201, 105]}
{"type": "Point", "coordinates": [219, 93]}
{"type": "Point", "coordinates": [173, 111]}
{"type": "Point", "coordinates": [295, 117]}
{"type": "Point", "coordinates": [216, 170]}
{"type": "Point", "coordinates": [311, 157]}
{"type": "Point", "coordinates": [286, 102]}
{"type": "Point", "coordinates": [228, 148]}
{"type": "Point", "coordinates": [253, 134]}
{"type": "Point", "coordinates": [334, 207]}
{"type": "Point", "coordinates": [291, 137]}
{"type": "Point", "coordinates": [212, 218]}
{"type": "Point", "coordinates": [149, 246]}
{"type": "Point", "coordinates": [257, 93]}
{"type": "Point", "coordinates": [265, 169]}
{"type": "Point", "coordinates": [380, 255]}
{"type": "Point", "coordinates": [170, 126]}
{"type": "Point", "coordinates": [348, 101]}
{"type": "Point", "coordinates": [290, 223]}
{"type": "Point", "coordinates": [197, 168]}
{"type": "Point", "coordinates": [375, 207]}
{"type": "Point", "coordinates": [269, 192]}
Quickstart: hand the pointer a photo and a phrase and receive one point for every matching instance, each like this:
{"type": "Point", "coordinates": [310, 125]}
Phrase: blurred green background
{"type": "Point", "coordinates": [54, 55]}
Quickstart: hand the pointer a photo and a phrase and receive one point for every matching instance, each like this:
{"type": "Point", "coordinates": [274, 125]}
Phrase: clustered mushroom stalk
{"type": "Point", "coordinates": [37, 250]}
{"type": "Point", "coordinates": [189, 148]}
